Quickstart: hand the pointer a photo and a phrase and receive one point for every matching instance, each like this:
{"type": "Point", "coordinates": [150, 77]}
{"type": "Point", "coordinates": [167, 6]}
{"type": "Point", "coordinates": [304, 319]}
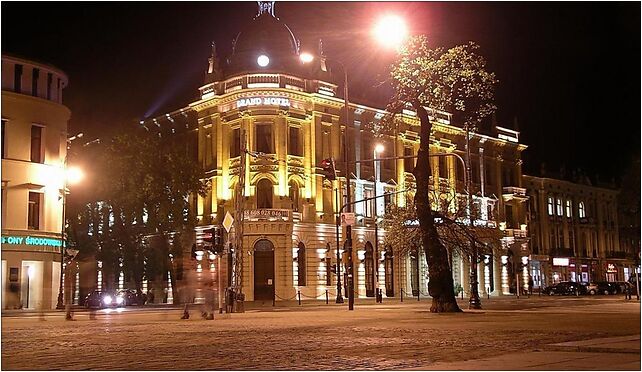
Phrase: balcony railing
{"type": "Point", "coordinates": [514, 191]}
{"type": "Point", "coordinates": [515, 233]}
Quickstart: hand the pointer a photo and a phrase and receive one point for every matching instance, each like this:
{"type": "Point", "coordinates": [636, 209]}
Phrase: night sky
{"type": "Point", "coordinates": [569, 72]}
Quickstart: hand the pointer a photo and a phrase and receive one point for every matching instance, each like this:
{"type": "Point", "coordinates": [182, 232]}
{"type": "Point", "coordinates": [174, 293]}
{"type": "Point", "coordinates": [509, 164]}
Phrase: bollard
{"type": "Point", "coordinates": [418, 293]}
{"type": "Point", "coordinates": [326, 297]}
{"type": "Point", "coordinates": [401, 294]}
{"type": "Point", "coordinates": [299, 295]}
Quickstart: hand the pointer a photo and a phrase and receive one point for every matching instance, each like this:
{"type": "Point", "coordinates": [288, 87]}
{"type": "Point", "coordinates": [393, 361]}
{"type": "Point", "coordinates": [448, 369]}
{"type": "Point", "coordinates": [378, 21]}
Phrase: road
{"type": "Point", "coordinates": [387, 336]}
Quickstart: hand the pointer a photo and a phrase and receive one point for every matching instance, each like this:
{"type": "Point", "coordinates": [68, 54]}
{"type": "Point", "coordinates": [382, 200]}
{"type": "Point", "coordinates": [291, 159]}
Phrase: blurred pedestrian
{"type": "Point", "coordinates": [530, 285]}
{"type": "Point", "coordinates": [207, 311]}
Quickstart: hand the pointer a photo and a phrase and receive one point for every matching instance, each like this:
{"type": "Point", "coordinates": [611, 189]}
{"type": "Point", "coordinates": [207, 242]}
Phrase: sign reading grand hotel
{"type": "Point", "coordinates": [263, 101]}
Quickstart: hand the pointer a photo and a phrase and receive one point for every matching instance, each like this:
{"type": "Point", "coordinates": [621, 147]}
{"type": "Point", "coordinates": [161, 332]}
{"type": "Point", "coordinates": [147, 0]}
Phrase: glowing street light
{"type": "Point", "coordinates": [390, 31]}
{"type": "Point", "coordinates": [74, 175]}
{"type": "Point", "coordinates": [306, 57]}
{"type": "Point", "coordinates": [379, 148]}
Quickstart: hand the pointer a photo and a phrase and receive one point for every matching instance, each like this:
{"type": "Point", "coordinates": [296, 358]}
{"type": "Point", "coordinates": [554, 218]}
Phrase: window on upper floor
{"type": "Point", "coordinates": [264, 191]}
{"type": "Point", "coordinates": [581, 208]}
{"type": "Point", "coordinates": [474, 170]}
{"type": "Point", "coordinates": [488, 172]}
{"type": "Point", "coordinates": [36, 144]}
{"type": "Point", "coordinates": [569, 208]}
{"type": "Point", "coordinates": [49, 78]}
{"type": "Point", "coordinates": [550, 206]}
{"type": "Point", "coordinates": [264, 139]}
{"type": "Point", "coordinates": [409, 163]}
{"type": "Point", "coordinates": [294, 195]}
{"type": "Point", "coordinates": [558, 204]}
{"type": "Point", "coordinates": [235, 146]}
{"type": "Point", "coordinates": [17, 79]}
{"type": "Point", "coordinates": [368, 209]}
{"type": "Point", "coordinates": [294, 142]}
{"type": "Point", "coordinates": [443, 167]}
{"type": "Point", "coordinates": [4, 123]}
{"type": "Point", "coordinates": [35, 75]}
{"type": "Point", "coordinates": [33, 212]}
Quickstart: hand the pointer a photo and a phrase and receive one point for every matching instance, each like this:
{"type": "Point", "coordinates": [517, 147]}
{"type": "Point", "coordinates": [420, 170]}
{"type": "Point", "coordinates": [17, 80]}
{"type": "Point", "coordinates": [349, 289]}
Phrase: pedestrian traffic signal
{"type": "Point", "coordinates": [328, 169]}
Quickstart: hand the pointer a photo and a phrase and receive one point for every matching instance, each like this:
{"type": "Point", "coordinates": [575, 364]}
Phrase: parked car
{"type": "Point", "coordinates": [132, 297]}
{"type": "Point", "coordinates": [565, 288]}
{"type": "Point", "coordinates": [605, 288]}
{"type": "Point", "coordinates": [102, 299]}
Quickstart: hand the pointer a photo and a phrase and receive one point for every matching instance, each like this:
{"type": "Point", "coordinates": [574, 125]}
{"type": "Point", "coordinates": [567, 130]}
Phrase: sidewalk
{"type": "Point", "coordinates": [613, 353]}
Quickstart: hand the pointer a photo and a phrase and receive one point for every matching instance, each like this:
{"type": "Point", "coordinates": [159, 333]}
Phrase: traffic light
{"type": "Point", "coordinates": [328, 169]}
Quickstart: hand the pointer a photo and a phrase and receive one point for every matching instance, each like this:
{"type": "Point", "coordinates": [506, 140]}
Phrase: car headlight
{"type": "Point", "coordinates": [120, 300]}
{"type": "Point", "coordinates": [107, 300]}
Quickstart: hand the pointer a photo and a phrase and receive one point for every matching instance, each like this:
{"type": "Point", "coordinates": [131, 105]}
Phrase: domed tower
{"type": "Point", "coordinates": [266, 45]}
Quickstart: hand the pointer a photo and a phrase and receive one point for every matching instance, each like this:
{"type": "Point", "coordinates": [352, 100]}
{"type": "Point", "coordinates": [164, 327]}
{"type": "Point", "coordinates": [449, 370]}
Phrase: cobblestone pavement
{"type": "Point", "coordinates": [388, 336]}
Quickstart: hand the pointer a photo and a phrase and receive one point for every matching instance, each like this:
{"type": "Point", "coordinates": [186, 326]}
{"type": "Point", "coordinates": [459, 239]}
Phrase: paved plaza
{"type": "Point", "coordinates": [560, 333]}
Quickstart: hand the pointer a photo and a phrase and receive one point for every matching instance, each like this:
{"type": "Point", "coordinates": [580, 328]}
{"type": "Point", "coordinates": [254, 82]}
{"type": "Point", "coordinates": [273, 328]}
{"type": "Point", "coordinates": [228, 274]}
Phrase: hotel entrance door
{"type": "Point", "coordinates": [263, 270]}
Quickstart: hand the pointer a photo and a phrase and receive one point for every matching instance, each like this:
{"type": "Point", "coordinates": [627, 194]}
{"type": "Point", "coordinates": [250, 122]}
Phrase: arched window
{"type": "Point", "coordinates": [559, 207]}
{"type": "Point", "coordinates": [550, 206]}
{"type": "Point", "coordinates": [264, 192]}
{"type": "Point", "coordinates": [370, 270]}
{"type": "Point", "coordinates": [582, 210]}
{"type": "Point", "coordinates": [569, 208]}
{"type": "Point", "coordinates": [300, 258]}
{"type": "Point", "coordinates": [294, 195]}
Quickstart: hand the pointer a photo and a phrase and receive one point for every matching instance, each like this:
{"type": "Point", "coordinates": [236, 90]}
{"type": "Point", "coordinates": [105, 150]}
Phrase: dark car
{"type": "Point", "coordinates": [132, 297]}
{"type": "Point", "coordinates": [605, 288]}
{"type": "Point", "coordinates": [565, 288]}
{"type": "Point", "coordinates": [102, 299]}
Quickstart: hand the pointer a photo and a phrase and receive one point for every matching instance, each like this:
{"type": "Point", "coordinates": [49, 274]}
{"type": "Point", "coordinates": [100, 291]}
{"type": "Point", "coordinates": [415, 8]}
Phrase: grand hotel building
{"type": "Point", "coordinates": [291, 116]}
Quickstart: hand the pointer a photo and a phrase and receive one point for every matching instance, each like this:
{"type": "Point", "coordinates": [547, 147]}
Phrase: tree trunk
{"type": "Point", "coordinates": [440, 286]}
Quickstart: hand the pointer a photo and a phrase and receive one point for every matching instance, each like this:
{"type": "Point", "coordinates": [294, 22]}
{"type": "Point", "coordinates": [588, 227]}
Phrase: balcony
{"type": "Point", "coordinates": [512, 192]}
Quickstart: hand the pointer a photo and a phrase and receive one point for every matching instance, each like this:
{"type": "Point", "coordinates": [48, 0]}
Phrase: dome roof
{"type": "Point", "coordinates": [266, 34]}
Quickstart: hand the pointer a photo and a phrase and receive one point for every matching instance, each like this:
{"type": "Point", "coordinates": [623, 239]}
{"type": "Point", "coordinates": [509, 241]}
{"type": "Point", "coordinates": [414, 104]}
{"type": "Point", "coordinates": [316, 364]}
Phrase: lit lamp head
{"type": "Point", "coordinates": [263, 60]}
{"type": "Point", "coordinates": [379, 148]}
{"type": "Point", "coordinates": [74, 175]}
{"type": "Point", "coordinates": [390, 31]}
{"type": "Point", "coordinates": [306, 57]}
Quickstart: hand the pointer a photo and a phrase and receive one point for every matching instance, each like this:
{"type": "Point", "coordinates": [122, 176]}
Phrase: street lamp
{"type": "Point", "coordinates": [390, 31]}
{"type": "Point", "coordinates": [69, 176]}
{"type": "Point", "coordinates": [378, 149]}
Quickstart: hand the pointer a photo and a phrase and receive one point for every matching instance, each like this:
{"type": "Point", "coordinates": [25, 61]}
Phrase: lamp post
{"type": "Point", "coordinates": [74, 175]}
{"type": "Point", "coordinates": [378, 149]}
{"type": "Point", "coordinates": [474, 301]}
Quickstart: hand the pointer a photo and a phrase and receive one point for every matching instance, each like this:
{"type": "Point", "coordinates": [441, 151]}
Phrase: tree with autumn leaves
{"type": "Point", "coordinates": [454, 80]}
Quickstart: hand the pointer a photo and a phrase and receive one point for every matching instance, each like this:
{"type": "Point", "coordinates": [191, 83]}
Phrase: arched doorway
{"type": "Point", "coordinates": [263, 270]}
{"type": "Point", "coordinates": [389, 270]}
{"type": "Point", "coordinates": [264, 191]}
{"type": "Point", "coordinates": [370, 270]}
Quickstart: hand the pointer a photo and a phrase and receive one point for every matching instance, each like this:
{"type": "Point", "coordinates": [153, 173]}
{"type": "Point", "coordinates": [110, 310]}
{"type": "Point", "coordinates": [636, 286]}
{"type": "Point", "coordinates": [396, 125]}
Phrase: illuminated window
{"type": "Point", "coordinates": [264, 191]}
{"type": "Point", "coordinates": [558, 204]}
{"type": "Point", "coordinates": [550, 205]}
{"type": "Point", "coordinates": [568, 208]}
{"type": "Point", "coordinates": [300, 254]}
{"type": "Point", "coordinates": [582, 210]}
{"type": "Point", "coordinates": [33, 216]}
{"type": "Point", "coordinates": [369, 205]}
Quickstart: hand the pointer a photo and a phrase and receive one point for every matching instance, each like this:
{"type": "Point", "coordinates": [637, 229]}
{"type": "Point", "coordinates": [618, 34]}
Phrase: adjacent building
{"type": "Point", "coordinates": [574, 232]}
{"type": "Point", "coordinates": [34, 132]}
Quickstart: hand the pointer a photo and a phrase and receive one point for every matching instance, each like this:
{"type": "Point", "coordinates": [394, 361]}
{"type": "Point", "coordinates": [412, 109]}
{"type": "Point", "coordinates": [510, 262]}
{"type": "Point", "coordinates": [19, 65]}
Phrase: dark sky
{"type": "Point", "coordinates": [569, 72]}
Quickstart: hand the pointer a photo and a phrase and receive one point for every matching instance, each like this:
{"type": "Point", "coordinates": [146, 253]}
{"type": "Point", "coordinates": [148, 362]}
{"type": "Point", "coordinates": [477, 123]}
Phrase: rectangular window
{"type": "Point", "coordinates": [17, 79]}
{"type": "Point", "coordinates": [443, 167]}
{"type": "Point", "coordinates": [508, 175]}
{"type": "Point", "coordinates": [326, 151]}
{"type": "Point", "coordinates": [409, 163]}
{"type": "Point", "coordinates": [369, 204]}
{"type": "Point", "coordinates": [509, 216]}
{"type": "Point", "coordinates": [235, 147]}
{"type": "Point", "coordinates": [550, 206]}
{"type": "Point", "coordinates": [4, 122]}
{"type": "Point", "coordinates": [33, 214]}
{"type": "Point", "coordinates": [36, 144]}
{"type": "Point", "coordinates": [559, 207]}
{"type": "Point", "coordinates": [49, 78]}
{"type": "Point", "coordinates": [264, 140]}
{"type": "Point", "coordinates": [569, 208]}
{"type": "Point", "coordinates": [35, 75]}
{"type": "Point", "coordinates": [294, 144]}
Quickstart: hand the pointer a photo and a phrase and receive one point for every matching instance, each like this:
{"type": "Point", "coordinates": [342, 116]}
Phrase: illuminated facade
{"type": "Point", "coordinates": [34, 132]}
{"type": "Point", "coordinates": [290, 118]}
{"type": "Point", "coordinates": [574, 232]}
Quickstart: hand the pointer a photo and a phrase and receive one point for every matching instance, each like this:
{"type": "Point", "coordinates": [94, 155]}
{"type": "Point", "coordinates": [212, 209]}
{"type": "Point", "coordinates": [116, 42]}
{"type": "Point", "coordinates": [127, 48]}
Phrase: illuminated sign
{"type": "Point", "coordinates": [610, 268]}
{"type": "Point", "coordinates": [560, 261]}
{"type": "Point", "coordinates": [267, 214]}
{"type": "Point", "coordinates": [35, 241]}
{"type": "Point", "coordinates": [263, 101]}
